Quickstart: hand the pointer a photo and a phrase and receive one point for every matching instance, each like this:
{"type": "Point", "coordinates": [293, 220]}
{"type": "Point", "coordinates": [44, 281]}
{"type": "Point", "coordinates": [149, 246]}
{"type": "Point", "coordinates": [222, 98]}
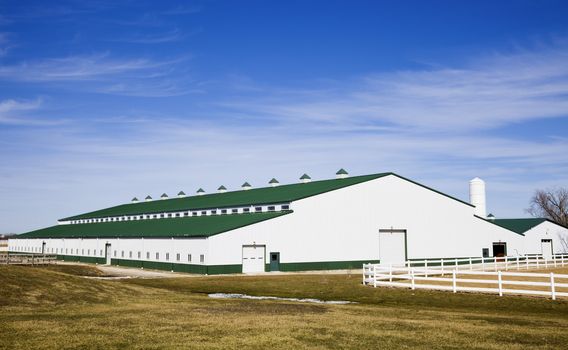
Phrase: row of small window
{"type": "Point", "coordinates": [259, 209]}
{"type": "Point", "coordinates": [157, 255]}
{"type": "Point", "coordinates": [75, 251]}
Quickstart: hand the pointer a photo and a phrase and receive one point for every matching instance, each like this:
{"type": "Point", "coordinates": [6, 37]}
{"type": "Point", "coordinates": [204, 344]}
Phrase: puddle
{"type": "Point", "coordinates": [252, 297]}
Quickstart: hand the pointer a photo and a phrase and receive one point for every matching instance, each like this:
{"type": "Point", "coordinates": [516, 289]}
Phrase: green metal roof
{"type": "Point", "coordinates": [198, 226]}
{"type": "Point", "coordinates": [264, 195]}
{"type": "Point", "coordinates": [519, 225]}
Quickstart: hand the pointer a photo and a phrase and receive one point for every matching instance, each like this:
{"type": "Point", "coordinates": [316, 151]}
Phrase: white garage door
{"type": "Point", "coordinates": [546, 246]}
{"type": "Point", "coordinates": [253, 258]}
{"type": "Point", "coordinates": [392, 246]}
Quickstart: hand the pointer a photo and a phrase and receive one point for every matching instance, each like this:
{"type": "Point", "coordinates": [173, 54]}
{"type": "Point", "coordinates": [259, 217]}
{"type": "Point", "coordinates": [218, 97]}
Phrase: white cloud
{"type": "Point", "coordinates": [103, 73]}
{"type": "Point", "coordinates": [486, 93]}
{"type": "Point", "coordinates": [14, 112]}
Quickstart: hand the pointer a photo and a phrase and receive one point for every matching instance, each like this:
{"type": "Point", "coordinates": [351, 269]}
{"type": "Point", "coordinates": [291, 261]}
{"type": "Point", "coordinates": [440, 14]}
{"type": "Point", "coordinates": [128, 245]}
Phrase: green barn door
{"type": "Point", "coordinates": [274, 261]}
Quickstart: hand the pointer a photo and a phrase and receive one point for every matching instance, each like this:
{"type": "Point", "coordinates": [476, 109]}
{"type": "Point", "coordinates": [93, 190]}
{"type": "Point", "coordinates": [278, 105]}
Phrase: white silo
{"type": "Point", "coordinates": [477, 196]}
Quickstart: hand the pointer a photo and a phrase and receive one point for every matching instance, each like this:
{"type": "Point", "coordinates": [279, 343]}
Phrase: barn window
{"type": "Point", "coordinates": [139, 255]}
{"type": "Point", "coordinates": [204, 212]}
{"type": "Point", "coordinates": [65, 250]}
{"type": "Point", "coordinates": [162, 215]}
{"type": "Point", "coordinates": [130, 254]}
{"type": "Point", "coordinates": [122, 254]}
{"type": "Point", "coordinates": [234, 211]}
{"type": "Point", "coordinates": [213, 212]}
{"type": "Point", "coordinates": [177, 215]}
{"type": "Point", "coordinates": [170, 215]}
{"type": "Point", "coordinates": [246, 210]}
{"type": "Point", "coordinates": [141, 217]}
{"type": "Point", "coordinates": [258, 209]}
{"type": "Point", "coordinates": [177, 256]}
{"type": "Point", "coordinates": [186, 213]}
{"type": "Point", "coordinates": [155, 216]}
{"type": "Point", "coordinates": [157, 256]}
{"type": "Point", "coordinates": [147, 255]}
{"type": "Point", "coordinates": [271, 208]}
{"type": "Point", "coordinates": [189, 257]}
{"type": "Point", "coordinates": [83, 251]}
{"type": "Point", "coordinates": [88, 252]}
{"type": "Point", "coordinates": [202, 258]}
{"type": "Point", "coordinates": [115, 253]}
{"type": "Point", "coordinates": [285, 207]}
{"type": "Point", "coordinates": [224, 211]}
{"type": "Point", "coordinates": [101, 252]}
{"type": "Point", "coordinates": [167, 256]}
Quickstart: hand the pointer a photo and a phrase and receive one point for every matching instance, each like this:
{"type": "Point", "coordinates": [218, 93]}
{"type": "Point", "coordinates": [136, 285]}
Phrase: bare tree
{"type": "Point", "coordinates": [552, 204]}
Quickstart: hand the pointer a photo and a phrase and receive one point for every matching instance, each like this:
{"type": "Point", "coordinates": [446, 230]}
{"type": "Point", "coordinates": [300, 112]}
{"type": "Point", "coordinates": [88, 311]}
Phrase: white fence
{"type": "Point", "coordinates": [474, 275]}
{"type": "Point", "coordinates": [26, 259]}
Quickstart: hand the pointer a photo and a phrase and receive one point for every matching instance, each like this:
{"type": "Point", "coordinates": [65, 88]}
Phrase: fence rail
{"type": "Point", "coordinates": [497, 280]}
{"type": "Point", "coordinates": [27, 259]}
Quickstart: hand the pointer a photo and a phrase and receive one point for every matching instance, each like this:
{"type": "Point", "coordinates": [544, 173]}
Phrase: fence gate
{"type": "Point", "coordinates": [392, 246]}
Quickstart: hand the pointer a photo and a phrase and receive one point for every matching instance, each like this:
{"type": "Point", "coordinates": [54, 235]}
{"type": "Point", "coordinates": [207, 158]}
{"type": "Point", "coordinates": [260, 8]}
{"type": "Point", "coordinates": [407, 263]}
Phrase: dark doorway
{"type": "Point", "coordinates": [274, 261]}
{"type": "Point", "coordinates": [43, 248]}
{"type": "Point", "coordinates": [499, 249]}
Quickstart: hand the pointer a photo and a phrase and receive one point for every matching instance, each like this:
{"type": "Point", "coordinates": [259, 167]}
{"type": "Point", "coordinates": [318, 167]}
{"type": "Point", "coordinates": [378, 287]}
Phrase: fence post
{"type": "Point", "coordinates": [390, 273]}
{"type": "Point", "coordinates": [554, 259]}
{"type": "Point", "coordinates": [552, 287]}
{"type": "Point", "coordinates": [426, 268]}
{"type": "Point", "coordinates": [412, 279]}
{"type": "Point", "coordinates": [518, 263]}
{"type": "Point", "coordinates": [495, 263]}
{"type": "Point", "coordinates": [545, 262]}
{"type": "Point", "coordinates": [500, 282]}
{"type": "Point", "coordinates": [456, 263]}
{"type": "Point", "coordinates": [364, 266]}
{"type": "Point", "coordinates": [442, 260]}
{"type": "Point", "coordinates": [470, 263]}
{"type": "Point", "coordinates": [527, 260]}
{"type": "Point", "coordinates": [454, 281]}
{"type": "Point", "coordinates": [375, 276]}
{"type": "Point", "coordinates": [483, 263]}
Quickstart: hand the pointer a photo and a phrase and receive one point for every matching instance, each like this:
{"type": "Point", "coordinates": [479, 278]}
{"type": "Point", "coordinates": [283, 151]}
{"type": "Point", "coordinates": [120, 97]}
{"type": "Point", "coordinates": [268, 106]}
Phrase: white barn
{"type": "Point", "coordinates": [330, 224]}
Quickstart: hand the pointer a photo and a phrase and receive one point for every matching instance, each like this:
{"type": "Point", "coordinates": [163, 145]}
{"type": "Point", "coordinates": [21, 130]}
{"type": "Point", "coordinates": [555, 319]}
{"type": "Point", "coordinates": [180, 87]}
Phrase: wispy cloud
{"type": "Point", "coordinates": [171, 36]}
{"type": "Point", "coordinates": [15, 112]}
{"type": "Point", "coordinates": [105, 74]}
{"type": "Point", "coordinates": [487, 93]}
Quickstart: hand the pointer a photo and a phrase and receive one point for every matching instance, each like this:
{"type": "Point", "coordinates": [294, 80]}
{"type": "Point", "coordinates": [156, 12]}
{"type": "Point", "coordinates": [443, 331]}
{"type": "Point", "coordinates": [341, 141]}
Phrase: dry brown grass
{"type": "Point", "coordinates": [176, 313]}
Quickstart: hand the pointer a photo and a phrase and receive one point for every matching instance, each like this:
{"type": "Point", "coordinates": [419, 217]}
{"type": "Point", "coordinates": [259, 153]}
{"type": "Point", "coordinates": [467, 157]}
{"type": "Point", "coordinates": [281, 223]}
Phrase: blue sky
{"type": "Point", "coordinates": [102, 101]}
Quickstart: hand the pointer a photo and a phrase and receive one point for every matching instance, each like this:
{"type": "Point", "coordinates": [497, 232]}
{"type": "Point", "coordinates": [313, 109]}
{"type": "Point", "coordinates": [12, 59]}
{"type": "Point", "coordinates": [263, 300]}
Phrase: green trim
{"type": "Point", "coordinates": [84, 259]}
{"type": "Point", "coordinates": [447, 261]}
{"type": "Point", "coordinates": [433, 190]}
{"type": "Point", "coordinates": [496, 223]}
{"type": "Point", "coordinates": [322, 265]}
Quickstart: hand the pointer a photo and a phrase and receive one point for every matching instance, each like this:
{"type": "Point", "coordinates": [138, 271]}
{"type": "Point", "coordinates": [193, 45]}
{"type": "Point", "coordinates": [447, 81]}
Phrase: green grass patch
{"type": "Point", "coordinates": [49, 309]}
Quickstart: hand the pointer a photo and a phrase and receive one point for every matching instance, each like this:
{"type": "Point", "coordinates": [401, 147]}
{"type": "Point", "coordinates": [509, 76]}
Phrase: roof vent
{"type": "Point", "coordinates": [222, 189]}
{"type": "Point", "coordinates": [200, 192]}
{"type": "Point", "coordinates": [134, 200]}
{"type": "Point", "coordinates": [306, 178]}
{"type": "Point", "coordinates": [274, 182]}
{"type": "Point", "coordinates": [246, 186]}
{"type": "Point", "coordinates": [490, 217]}
{"type": "Point", "coordinates": [164, 196]}
{"type": "Point", "coordinates": [341, 174]}
{"type": "Point", "coordinates": [148, 198]}
{"type": "Point", "coordinates": [181, 194]}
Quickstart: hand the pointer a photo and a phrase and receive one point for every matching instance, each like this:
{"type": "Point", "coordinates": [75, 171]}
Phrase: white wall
{"type": "Point", "coordinates": [546, 230]}
{"type": "Point", "coordinates": [120, 248]}
{"type": "Point", "coordinates": [343, 225]}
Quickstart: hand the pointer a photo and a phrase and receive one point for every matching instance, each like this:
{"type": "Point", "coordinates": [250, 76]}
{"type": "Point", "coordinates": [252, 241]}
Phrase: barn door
{"type": "Point", "coordinates": [392, 246]}
{"type": "Point", "coordinates": [107, 254]}
{"type": "Point", "coordinates": [546, 248]}
{"type": "Point", "coordinates": [253, 258]}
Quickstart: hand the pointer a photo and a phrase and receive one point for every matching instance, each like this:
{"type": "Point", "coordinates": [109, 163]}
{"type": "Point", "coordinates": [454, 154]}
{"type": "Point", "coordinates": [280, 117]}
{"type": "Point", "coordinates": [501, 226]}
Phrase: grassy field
{"type": "Point", "coordinates": [56, 308]}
